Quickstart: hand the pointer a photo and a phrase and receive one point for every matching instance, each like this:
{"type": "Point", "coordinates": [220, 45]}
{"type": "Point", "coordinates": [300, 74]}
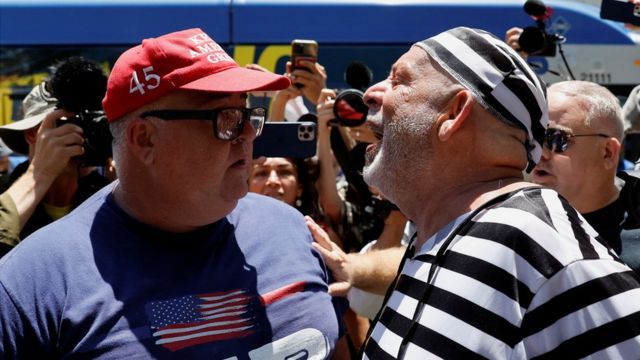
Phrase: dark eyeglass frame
{"type": "Point", "coordinates": [557, 140]}
{"type": "Point", "coordinates": [256, 116]}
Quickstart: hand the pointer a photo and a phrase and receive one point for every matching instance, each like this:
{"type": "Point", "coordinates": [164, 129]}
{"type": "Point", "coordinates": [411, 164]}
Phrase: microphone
{"type": "Point", "coordinates": [538, 10]}
{"type": "Point", "coordinates": [358, 75]}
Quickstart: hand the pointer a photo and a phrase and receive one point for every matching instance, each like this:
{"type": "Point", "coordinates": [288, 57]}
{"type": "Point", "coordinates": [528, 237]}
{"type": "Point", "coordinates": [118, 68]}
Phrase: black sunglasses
{"type": "Point", "coordinates": [557, 140]}
{"type": "Point", "coordinates": [228, 123]}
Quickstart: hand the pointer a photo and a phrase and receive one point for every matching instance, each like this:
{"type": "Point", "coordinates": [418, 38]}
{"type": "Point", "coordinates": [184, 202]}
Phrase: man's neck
{"type": "Point", "coordinates": [596, 200]}
{"type": "Point", "coordinates": [447, 204]}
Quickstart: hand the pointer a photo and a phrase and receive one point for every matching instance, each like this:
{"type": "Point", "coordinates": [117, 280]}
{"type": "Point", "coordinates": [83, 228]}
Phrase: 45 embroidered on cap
{"type": "Point", "coordinates": [188, 60]}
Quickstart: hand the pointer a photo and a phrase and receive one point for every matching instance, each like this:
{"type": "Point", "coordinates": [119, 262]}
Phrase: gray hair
{"type": "Point", "coordinates": [119, 126]}
{"type": "Point", "coordinates": [599, 103]}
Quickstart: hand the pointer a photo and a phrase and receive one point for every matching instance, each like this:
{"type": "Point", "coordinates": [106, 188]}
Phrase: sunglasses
{"type": "Point", "coordinates": [558, 140]}
{"type": "Point", "coordinates": [228, 123]}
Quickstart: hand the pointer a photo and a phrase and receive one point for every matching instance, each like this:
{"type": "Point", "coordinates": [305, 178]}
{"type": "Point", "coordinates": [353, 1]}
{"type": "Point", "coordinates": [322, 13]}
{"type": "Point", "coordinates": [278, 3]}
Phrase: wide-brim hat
{"type": "Point", "coordinates": [35, 107]}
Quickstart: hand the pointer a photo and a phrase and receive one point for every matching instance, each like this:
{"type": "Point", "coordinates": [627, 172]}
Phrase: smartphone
{"type": "Point", "coordinates": [303, 50]}
{"type": "Point", "coordinates": [286, 139]}
{"type": "Point", "coordinates": [621, 11]}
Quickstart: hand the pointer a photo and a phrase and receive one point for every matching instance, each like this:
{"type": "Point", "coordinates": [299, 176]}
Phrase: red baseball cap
{"type": "Point", "coordinates": [188, 60]}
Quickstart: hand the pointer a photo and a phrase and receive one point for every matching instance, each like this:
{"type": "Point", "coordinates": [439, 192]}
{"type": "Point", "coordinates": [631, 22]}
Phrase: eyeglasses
{"type": "Point", "coordinates": [228, 123]}
{"type": "Point", "coordinates": [557, 140]}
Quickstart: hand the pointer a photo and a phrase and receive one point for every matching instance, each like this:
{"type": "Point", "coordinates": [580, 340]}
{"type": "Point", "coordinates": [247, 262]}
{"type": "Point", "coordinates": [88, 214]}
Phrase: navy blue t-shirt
{"type": "Point", "coordinates": [99, 284]}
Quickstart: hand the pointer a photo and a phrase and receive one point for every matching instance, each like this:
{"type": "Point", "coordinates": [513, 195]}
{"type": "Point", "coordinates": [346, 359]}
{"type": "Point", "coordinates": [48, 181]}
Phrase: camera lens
{"type": "Point", "coordinates": [349, 108]}
{"type": "Point", "coordinates": [532, 40]}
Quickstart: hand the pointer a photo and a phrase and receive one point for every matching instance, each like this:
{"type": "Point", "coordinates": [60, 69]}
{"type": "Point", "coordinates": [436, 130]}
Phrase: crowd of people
{"type": "Point", "coordinates": [479, 213]}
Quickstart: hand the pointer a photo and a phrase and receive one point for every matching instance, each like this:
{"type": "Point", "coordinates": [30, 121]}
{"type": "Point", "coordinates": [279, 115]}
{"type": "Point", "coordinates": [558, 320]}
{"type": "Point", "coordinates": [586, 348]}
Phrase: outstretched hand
{"type": "Point", "coordinates": [336, 259]}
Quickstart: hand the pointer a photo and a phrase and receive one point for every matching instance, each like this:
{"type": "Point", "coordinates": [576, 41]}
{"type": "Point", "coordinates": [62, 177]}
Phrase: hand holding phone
{"type": "Point", "coordinates": [622, 11]}
{"type": "Point", "coordinates": [303, 50]}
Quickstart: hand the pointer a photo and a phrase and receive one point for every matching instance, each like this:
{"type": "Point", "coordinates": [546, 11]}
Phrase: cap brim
{"type": "Point", "coordinates": [239, 79]}
{"type": "Point", "coordinates": [12, 134]}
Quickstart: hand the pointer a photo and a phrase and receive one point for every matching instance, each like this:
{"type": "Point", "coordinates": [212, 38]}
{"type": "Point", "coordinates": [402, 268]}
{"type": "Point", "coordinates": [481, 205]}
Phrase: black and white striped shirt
{"type": "Point", "coordinates": [525, 278]}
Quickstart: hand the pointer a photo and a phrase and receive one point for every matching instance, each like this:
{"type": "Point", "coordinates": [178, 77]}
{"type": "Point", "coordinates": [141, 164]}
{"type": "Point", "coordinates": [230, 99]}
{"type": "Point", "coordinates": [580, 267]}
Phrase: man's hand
{"type": "Point", "coordinates": [55, 146]}
{"type": "Point", "coordinates": [313, 81]}
{"type": "Point", "coordinates": [372, 271]}
{"type": "Point", "coordinates": [337, 260]}
{"type": "Point", "coordinates": [512, 38]}
{"type": "Point", "coordinates": [630, 26]}
{"type": "Point", "coordinates": [324, 108]}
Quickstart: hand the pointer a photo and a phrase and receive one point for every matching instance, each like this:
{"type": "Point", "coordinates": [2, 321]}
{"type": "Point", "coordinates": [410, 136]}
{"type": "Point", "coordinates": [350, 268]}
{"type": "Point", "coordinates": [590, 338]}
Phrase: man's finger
{"type": "Point", "coordinates": [49, 121]}
{"type": "Point", "coordinates": [319, 235]}
{"type": "Point", "coordinates": [311, 65]}
{"type": "Point", "coordinates": [324, 250]}
{"type": "Point", "coordinates": [339, 289]}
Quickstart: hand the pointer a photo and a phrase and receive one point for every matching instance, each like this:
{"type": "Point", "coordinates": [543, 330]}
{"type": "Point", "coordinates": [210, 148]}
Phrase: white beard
{"type": "Point", "coordinates": [403, 155]}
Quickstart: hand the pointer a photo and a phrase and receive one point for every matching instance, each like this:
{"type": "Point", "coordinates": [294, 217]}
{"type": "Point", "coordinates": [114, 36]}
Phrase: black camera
{"type": "Point", "coordinates": [349, 108]}
{"type": "Point", "coordinates": [96, 133]}
{"type": "Point", "coordinates": [79, 86]}
{"type": "Point", "coordinates": [535, 40]}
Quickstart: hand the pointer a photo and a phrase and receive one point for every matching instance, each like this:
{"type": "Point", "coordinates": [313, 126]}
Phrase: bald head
{"type": "Point", "coordinates": [602, 108]}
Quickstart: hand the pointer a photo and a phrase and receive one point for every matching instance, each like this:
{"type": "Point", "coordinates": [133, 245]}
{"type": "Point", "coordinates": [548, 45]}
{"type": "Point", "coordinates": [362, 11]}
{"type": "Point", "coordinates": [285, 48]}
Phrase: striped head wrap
{"type": "Point", "coordinates": [501, 80]}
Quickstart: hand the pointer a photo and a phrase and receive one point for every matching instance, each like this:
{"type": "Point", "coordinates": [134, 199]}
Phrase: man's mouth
{"type": "Point", "coordinates": [541, 173]}
{"type": "Point", "coordinates": [374, 123]}
{"type": "Point", "coordinates": [376, 130]}
{"type": "Point", "coordinates": [378, 135]}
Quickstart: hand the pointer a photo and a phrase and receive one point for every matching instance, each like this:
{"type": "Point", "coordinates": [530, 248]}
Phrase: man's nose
{"type": "Point", "coordinates": [373, 96]}
{"type": "Point", "coordinates": [546, 153]}
{"type": "Point", "coordinates": [249, 132]}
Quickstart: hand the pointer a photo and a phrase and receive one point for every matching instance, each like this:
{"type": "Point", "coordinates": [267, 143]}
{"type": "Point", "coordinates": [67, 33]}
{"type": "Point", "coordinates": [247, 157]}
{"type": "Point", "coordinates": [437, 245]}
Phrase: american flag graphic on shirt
{"type": "Point", "coordinates": [196, 319]}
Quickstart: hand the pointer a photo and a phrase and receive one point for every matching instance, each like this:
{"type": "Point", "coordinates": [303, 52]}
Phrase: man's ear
{"type": "Point", "coordinates": [456, 113]}
{"type": "Point", "coordinates": [141, 136]}
{"type": "Point", "coordinates": [31, 135]}
{"type": "Point", "coordinates": [611, 154]}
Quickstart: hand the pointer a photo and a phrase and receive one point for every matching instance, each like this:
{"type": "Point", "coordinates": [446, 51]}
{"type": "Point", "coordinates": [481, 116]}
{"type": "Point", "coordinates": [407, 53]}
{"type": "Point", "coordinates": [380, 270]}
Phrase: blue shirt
{"type": "Point", "coordinates": [99, 284]}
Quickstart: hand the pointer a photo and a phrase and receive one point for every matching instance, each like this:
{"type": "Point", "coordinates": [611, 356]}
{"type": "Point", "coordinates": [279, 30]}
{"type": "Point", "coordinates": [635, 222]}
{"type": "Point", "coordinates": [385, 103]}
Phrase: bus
{"type": "Point", "coordinates": [34, 34]}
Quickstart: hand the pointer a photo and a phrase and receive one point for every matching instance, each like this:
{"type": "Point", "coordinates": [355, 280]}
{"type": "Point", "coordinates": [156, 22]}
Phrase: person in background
{"type": "Point", "coordinates": [5, 161]}
{"type": "Point", "coordinates": [174, 260]}
{"type": "Point", "coordinates": [53, 180]}
{"type": "Point", "coordinates": [292, 181]}
{"type": "Point", "coordinates": [581, 156]}
{"type": "Point", "coordinates": [289, 180]}
{"type": "Point", "coordinates": [581, 152]}
{"type": "Point", "coordinates": [631, 117]}
{"type": "Point", "coordinates": [496, 263]}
